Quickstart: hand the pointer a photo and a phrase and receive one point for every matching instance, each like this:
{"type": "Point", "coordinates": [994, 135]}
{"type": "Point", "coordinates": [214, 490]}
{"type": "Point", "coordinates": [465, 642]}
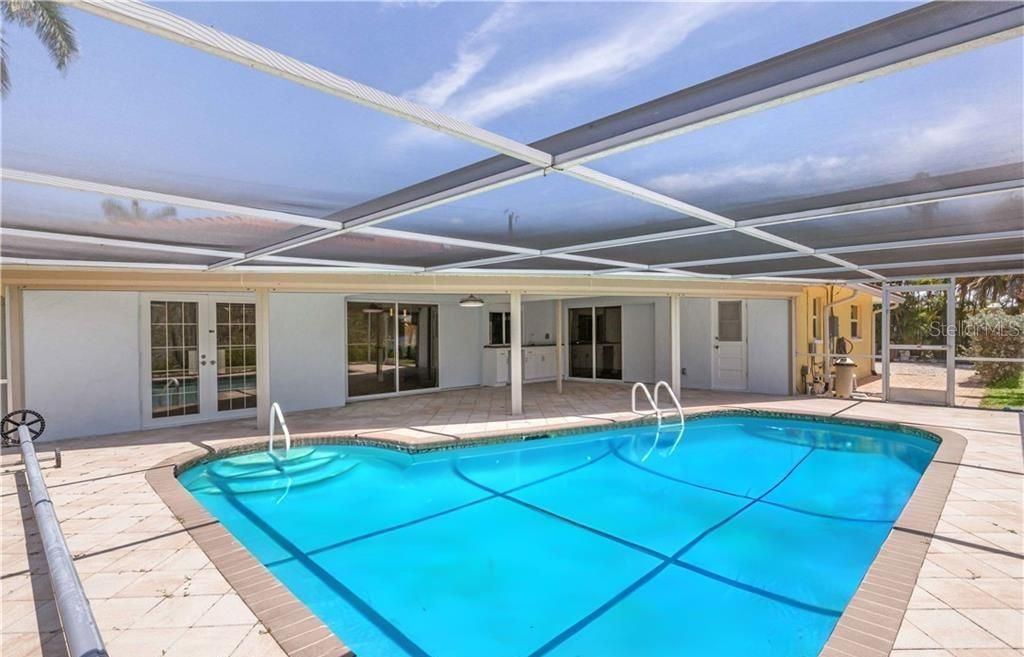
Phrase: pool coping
{"type": "Point", "coordinates": [866, 628]}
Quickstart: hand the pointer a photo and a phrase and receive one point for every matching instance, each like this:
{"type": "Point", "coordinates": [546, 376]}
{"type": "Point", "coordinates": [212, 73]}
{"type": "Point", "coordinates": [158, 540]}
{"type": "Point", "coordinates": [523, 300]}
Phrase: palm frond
{"type": "Point", "coordinates": [56, 33]}
{"type": "Point", "coordinates": [5, 78]}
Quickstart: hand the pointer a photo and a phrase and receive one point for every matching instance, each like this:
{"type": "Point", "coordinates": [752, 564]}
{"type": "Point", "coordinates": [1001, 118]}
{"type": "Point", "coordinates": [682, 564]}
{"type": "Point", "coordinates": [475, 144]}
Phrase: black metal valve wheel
{"type": "Point", "coordinates": [30, 419]}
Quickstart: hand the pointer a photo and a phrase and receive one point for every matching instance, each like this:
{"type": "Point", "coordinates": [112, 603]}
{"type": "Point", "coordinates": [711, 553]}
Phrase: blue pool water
{"type": "Point", "coordinates": [747, 537]}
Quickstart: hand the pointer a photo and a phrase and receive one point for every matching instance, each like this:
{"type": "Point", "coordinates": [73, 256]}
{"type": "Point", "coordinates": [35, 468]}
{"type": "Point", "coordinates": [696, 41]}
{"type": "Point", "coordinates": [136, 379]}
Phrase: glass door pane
{"type": "Point", "coordinates": [581, 342]}
{"type": "Point", "coordinates": [236, 356]}
{"type": "Point", "coordinates": [174, 358]}
{"type": "Point", "coordinates": [417, 347]}
{"type": "Point", "coordinates": [371, 348]}
{"type": "Point", "coordinates": [608, 343]}
{"type": "Point", "coordinates": [730, 321]}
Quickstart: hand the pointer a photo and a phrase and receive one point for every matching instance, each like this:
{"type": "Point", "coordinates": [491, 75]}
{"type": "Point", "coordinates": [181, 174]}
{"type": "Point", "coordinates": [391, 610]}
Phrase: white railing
{"type": "Point", "coordinates": [277, 416]}
{"type": "Point", "coordinates": [639, 385]}
{"type": "Point", "coordinates": [671, 395]}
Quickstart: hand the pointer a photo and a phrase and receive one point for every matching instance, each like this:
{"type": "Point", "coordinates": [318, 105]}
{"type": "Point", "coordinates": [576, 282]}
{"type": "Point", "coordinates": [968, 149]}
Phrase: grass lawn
{"type": "Point", "coordinates": [1006, 392]}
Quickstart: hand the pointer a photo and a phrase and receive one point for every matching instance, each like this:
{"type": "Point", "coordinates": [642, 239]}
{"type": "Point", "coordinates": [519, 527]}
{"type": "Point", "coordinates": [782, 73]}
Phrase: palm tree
{"type": "Point", "coordinates": [52, 28]}
{"type": "Point", "coordinates": [118, 212]}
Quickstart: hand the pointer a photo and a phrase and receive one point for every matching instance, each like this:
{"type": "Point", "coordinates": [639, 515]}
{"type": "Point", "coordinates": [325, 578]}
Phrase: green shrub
{"type": "Point", "coordinates": [994, 334]}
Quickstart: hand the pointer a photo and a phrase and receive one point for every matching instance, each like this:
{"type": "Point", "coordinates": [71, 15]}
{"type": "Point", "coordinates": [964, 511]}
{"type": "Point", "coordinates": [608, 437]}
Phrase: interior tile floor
{"type": "Point", "coordinates": [154, 592]}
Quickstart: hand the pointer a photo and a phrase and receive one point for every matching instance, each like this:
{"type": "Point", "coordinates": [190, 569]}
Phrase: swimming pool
{"type": "Point", "coordinates": [746, 536]}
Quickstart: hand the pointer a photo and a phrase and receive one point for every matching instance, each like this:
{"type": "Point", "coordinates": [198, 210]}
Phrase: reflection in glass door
{"type": "Point", "coordinates": [371, 348]}
{"type": "Point", "coordinates": [417, 347]}
{"type": "Point", "coordinates": [581, 342]}
{"type": "Point", "coordinates": [174, 358]}
{"type": "Point", "coordinates": [202, 358]}
{"type": "Point", "coordinates": [391, 348]}
{"type": "Point", "coordinates": [236, 356]}
{"type": "Point", "coordinates": [595, 342]}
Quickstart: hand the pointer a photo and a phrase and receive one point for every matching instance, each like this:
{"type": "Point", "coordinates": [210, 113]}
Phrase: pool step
{"type": "Point", "coordinates": [266, 475]}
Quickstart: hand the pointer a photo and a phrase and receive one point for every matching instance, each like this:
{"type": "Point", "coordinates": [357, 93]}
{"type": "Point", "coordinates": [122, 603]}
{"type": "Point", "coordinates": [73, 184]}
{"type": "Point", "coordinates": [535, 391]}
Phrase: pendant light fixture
{"type": "Point", "coordinates": [471, 301]}
{"type": "Point", "coordinates": [373, 309]}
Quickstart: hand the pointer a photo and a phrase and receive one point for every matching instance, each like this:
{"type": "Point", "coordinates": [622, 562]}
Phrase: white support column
{"type": "Point", "coordinates": [515, 318]}
{"type": "Point", "coordinates": [263, 400]}
{"type": "Point", "coordinates": [885, 341]}
{"type": "Point", "coordinates": [676, 347]}
{"type": "Point", "coordinates": [15, 348]}
{"type": "Point", "coordinates": [951, 329]}
{"type": "Point", "coordinates": [559, 373]}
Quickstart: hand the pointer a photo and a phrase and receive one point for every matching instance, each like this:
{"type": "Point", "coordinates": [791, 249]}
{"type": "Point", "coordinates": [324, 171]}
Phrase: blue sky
{"type": "Point", "coordinates": [137, 110]}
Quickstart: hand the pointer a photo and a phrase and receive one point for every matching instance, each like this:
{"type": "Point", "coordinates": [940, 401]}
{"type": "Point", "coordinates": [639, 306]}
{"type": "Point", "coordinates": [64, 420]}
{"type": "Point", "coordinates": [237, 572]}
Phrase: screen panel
{"type": "Point", "coordinates": [931, 271]}
{"type": "Point", "coordinates": [27, 247]}
{"type": "Point", "coordinates": [377, 249]}
{"type": "Point", "coordinates": [140, 111]}
{"type": "Point", "coordinates": [56, 210]}
{"type": "Point", "coordinates": [954, 115]}
{"type": "Point", "coordinates": [976, 215]}
{"type": "Point", "coordinates": [527, 70]}
{"type": "Point", "coordinates": [978, 249]}
{"type": "Point", "coordinates": [766, 267]}
{"type": "Point", "coordinates": [554, 264]}
{"type": "Point", "coordinates": [545, 212]}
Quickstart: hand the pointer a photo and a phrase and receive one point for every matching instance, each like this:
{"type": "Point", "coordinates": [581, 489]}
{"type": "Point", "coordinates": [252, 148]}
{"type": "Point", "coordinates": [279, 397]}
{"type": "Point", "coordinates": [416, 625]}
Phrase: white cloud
{"type": "Point", "coordinates": [606, 57]}
{"type": "Point", "coordinates": [957, 141]}
{"type": "Point", "coordinates": [474, 52]}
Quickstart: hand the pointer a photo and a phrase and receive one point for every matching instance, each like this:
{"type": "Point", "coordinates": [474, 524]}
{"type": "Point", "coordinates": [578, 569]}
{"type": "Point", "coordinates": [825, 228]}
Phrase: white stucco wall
{"type": "Point", "coordinates": [307, 350]}
{"type": "Point", "coordinates": [82, 361]}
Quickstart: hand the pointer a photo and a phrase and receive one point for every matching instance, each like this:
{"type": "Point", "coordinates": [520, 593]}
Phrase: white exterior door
{"type": "Point", "coordinates": [729, 345]}
{"type": "Point", "coordinates": [199, 358]}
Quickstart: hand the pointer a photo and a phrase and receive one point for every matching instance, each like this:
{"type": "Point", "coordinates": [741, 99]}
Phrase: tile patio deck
{"type": "Point", "coordinates": [155, 592]}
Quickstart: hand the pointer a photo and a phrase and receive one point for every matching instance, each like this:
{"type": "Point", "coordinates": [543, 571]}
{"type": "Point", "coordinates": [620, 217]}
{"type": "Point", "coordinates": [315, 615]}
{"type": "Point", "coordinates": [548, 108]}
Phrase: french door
{"type": "Point", "coordinates": [199, 358]}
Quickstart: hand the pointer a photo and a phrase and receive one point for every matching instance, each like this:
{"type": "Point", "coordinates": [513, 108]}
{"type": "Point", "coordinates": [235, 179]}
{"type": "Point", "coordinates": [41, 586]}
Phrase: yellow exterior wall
{"type": "Point", "coordinates": [862, 346]}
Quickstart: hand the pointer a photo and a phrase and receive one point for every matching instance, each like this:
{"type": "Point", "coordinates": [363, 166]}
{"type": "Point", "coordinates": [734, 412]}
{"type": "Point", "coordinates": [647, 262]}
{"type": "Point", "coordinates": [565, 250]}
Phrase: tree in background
{"type": "Point", "coordinates": [996, 334]}
{"type": "Point", "coordinates": [50, 25]}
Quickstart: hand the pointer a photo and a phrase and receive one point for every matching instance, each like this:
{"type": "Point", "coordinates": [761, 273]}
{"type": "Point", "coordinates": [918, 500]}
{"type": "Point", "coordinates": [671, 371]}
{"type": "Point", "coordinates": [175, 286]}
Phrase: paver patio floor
{"type": "Point", "coordinates": [154, 592]}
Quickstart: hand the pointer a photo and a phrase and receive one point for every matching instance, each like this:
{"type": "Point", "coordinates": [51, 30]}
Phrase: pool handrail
{"type": "Point", "coordinates": [81, 632]}
{"type": "Point", "coordinates": [639, 385]}
{"type": "Point", "coordinates": [277, 416]}
{"type": "Point", "coordinates": [672, 395]}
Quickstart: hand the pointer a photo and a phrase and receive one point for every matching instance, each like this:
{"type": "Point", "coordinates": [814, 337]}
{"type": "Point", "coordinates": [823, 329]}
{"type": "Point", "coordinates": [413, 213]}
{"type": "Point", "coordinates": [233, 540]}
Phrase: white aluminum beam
{"type": "Point", "coordinates": [337, 263]}
{"type": "Point", "coordinates": [181, 30]}
{"type": "Point", "coordinates": [104, 264]}
{"type": "Point", "coordinates": [119, 243]}
{"type": "Point", "coordinates": [614, 184]}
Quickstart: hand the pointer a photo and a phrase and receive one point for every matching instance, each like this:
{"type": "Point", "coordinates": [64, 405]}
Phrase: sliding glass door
{"type": "Point", "coordinates": [392, 347]}
{"type": "Point", "coordinates": [595, 342]}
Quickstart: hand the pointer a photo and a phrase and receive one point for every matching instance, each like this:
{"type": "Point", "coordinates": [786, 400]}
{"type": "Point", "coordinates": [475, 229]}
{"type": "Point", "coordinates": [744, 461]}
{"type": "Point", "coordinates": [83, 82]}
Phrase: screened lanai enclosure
{"type": "Point", "coordinates": [853, 142]}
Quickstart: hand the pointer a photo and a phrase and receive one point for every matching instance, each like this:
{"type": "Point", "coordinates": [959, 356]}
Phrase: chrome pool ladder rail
{"type": "Point", "coordinates": [277, 416]}
{"type": "Point", "coordinates": [671, 395]}
{"type": "Point", "coordinates": [639, 385]}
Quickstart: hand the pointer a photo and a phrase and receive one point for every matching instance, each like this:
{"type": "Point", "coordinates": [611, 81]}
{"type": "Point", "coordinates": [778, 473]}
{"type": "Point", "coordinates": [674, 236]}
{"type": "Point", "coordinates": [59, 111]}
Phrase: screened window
{"type": "Point", "coordinates": [855, 322]}
{"type": "Point", "coordinates": [816, 319]}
